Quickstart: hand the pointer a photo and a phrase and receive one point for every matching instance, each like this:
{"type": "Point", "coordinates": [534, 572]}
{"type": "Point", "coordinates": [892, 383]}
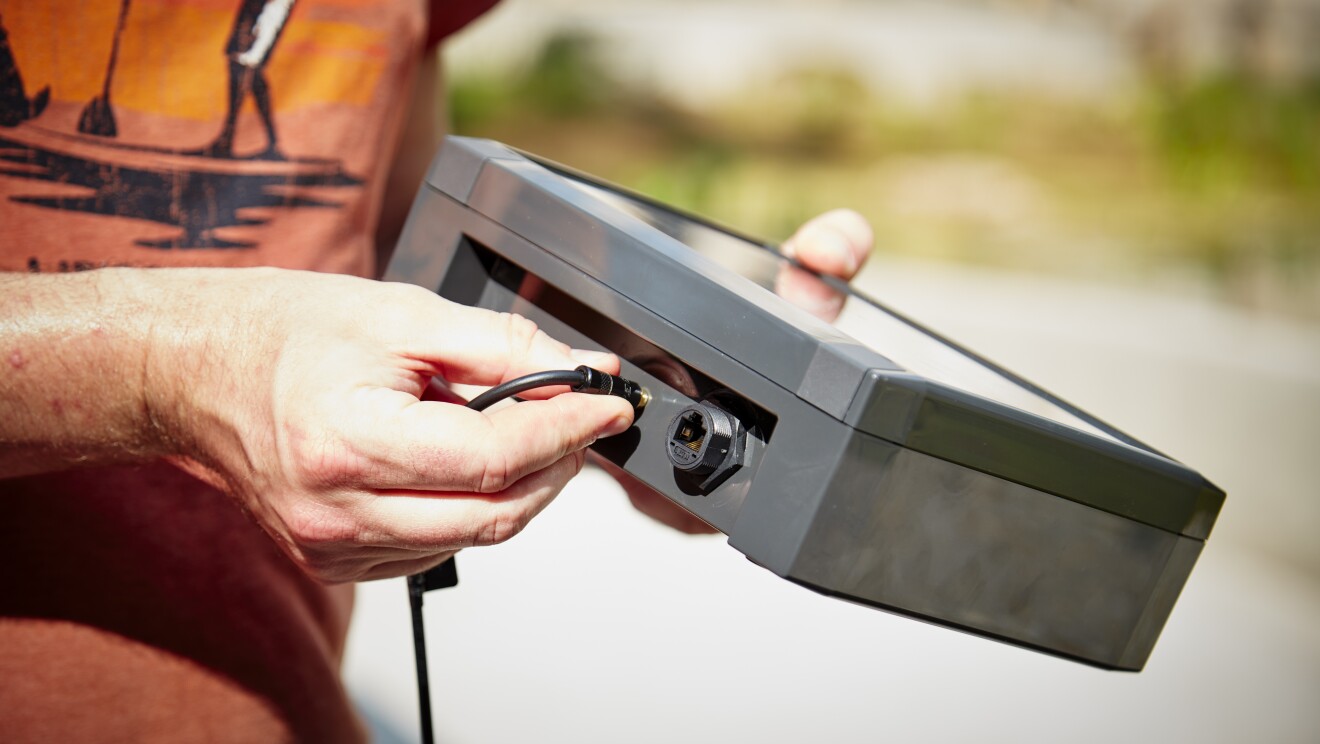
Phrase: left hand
{"type": "Point", "coordinates": [836, 243]}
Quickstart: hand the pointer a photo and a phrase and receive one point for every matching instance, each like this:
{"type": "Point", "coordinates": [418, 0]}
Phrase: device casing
{"type": "Point", "coordinates": [861, 480]}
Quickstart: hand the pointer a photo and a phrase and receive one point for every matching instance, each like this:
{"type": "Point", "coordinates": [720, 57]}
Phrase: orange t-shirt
{"type": "Point", "coordinates": [202, 132]}
{"type": "Point", "coordinates": [136, 603]}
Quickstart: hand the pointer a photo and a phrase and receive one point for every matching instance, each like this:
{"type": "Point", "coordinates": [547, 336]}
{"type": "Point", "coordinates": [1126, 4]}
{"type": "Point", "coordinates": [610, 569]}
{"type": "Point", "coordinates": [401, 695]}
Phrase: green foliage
{"type": "Point", "coordinates": [1230, 132]}
{"type": "Point", "coordinates": [1219, 177]}
{"type": "Point", "coordinates": [475, 102]}
{"type": "Point", "coordinates": [564, 81]}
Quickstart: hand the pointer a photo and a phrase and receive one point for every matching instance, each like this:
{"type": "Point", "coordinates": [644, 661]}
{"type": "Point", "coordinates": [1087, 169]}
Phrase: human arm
{"type": "Point", "coordinates": [298, 394]}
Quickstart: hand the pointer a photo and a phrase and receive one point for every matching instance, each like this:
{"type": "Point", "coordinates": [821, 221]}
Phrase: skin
{"type": "Point", "coordinates": [311, 418]}
{"type": "Point", "coordinates": [310, 400]}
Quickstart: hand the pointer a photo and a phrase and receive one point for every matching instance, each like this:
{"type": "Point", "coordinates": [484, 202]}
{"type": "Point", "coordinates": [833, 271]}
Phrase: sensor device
{"type": "Point", "coordinates": [869, 459]}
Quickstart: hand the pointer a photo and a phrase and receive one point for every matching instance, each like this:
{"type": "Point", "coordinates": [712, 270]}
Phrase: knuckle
{"type": "Point", "coordinates": [332, 571]}
{"type": "Point", "coordinates": [491, 466]}
{"type": "Point", "coordinates": [405, 297]}
{"type": "Point", "coordinates": [496, 473]}
{"type": "Point", "coordinates": [521, 333]}
{"type": "Point", "coordinates": [501, 527]}
{"type": "Point", "coordinates": [397, 311]}
{"type": "Point", "coordinates": [407, 290]}
{"type": "Point", "coordinates": [314, 528]}
{"type": "Point", "coordinates": [327, 462]}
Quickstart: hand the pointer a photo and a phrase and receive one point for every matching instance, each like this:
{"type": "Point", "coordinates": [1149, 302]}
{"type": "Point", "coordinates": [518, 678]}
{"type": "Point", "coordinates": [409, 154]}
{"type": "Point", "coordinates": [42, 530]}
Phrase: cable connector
{"type": "Point", "coordinates": [602, 383]}
{"type": "Point", "coordinates": [584, 379]}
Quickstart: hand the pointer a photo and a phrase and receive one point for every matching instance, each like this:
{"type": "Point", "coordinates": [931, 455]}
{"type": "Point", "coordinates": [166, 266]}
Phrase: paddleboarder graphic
{"type": "Point", "coordinates": [98, 117]}
{"type": "Point", "coordinates": [257, 28]}
{"type": "Point", "coordinates": [207, 192]}
{"type": "Point", "coordinates": [15, 105]}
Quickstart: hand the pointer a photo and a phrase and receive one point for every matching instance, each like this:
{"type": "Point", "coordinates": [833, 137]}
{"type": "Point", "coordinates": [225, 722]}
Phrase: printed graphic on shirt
{"type": "Point", "coordinates": [163, 117]}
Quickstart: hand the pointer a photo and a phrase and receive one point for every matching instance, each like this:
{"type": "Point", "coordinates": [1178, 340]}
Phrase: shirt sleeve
{"type": "Point", "coordinates": [448, 16]}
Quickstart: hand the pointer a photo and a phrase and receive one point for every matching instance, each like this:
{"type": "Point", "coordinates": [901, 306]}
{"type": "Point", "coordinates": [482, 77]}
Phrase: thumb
{"type": "Point", "coordinates": [435, 446]}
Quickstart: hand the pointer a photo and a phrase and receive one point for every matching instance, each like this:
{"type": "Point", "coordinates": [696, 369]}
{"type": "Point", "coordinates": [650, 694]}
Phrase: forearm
{"type": "Point", "coordinates": [300, 395]}
{"type": "Point", "coordinates": [74, 354]}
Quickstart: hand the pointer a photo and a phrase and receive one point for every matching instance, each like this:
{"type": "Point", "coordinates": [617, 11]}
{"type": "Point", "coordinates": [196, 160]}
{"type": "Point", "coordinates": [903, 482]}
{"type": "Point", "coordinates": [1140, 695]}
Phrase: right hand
{"type": "Point", "coordinates": [301, 395]}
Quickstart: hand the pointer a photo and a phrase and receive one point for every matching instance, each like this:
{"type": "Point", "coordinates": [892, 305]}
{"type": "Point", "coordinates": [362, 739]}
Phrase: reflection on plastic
{"type": "Point", "coordinates": [807, 291]}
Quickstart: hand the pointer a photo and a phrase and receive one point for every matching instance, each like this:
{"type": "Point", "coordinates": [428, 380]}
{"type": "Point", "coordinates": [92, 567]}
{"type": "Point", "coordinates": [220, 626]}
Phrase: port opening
{"type": "Point", "coordinates": [706, 444]}
{"type": "Point", "coordinates": [691, 431]}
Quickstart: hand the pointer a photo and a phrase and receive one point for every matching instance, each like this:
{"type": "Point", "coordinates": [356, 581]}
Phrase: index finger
{"type": "Point", "coordinates": [475, 346]}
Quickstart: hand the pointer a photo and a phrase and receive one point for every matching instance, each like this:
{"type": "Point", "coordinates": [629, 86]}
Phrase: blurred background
{"type": "Point", "coordinates": [1118, 199]}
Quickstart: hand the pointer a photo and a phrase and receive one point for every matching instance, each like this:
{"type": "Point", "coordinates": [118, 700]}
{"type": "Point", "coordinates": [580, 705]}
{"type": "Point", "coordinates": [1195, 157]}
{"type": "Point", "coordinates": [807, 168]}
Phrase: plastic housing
{"type": "Point", "coordinates": [861, 479]}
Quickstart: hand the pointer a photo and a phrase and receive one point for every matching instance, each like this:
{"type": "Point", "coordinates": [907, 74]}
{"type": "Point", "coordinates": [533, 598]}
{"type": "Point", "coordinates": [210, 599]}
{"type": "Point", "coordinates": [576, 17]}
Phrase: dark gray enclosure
{"type": "Point", "coordinates": [886, 466]}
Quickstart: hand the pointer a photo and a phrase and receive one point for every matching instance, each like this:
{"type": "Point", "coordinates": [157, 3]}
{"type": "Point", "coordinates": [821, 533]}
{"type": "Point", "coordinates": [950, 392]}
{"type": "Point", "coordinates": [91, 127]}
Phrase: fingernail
{"type": "Point", "coordinates": [837, 244]}
{"type": "Point", "coordinates": [594, 359]}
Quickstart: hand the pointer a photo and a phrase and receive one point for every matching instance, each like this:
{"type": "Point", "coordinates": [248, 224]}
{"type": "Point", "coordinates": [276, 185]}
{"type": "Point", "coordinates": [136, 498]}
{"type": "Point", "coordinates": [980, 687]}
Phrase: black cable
{"type": "Point", "coordinates": [569, 377]}
{"type": "Point", "coordinates": [584, 379]}
{"type": "Point", "coordinates": [416, 587]}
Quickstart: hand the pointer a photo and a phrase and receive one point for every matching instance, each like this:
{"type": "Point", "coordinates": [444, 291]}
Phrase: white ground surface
{"type": "Point", "coordinates": [597, 626]}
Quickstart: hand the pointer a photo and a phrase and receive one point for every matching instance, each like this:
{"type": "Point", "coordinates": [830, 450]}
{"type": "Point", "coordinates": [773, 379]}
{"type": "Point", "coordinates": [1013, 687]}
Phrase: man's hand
{"type": "Point", "coordinates": [300, 394]}
{"type": "Point", "coordinates": [835, 243]}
